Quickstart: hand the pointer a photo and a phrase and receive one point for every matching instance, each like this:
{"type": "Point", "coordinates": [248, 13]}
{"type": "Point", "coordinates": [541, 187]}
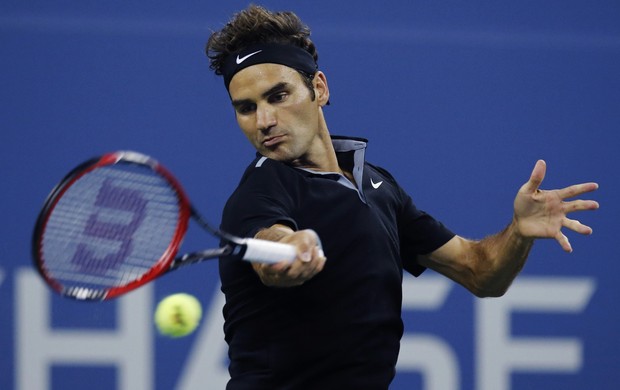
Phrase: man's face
{"type": "Point", "coordinates": [275, 111]}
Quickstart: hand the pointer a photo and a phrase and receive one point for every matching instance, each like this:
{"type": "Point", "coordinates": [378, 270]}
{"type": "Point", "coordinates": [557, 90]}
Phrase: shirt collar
{"type": "Point", "coordinates": [351, 153]}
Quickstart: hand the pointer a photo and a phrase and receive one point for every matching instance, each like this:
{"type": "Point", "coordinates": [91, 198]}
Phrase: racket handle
{"type": "Point", "coordinates": [271, 252]}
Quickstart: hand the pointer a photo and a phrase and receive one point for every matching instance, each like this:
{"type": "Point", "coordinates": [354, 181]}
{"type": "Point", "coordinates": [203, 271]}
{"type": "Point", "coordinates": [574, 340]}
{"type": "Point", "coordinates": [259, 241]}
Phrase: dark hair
{"type": "Point", "coordinates": [256, 24]}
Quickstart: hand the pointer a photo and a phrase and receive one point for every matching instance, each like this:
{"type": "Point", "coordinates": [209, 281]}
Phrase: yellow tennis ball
{"type": "Point", "coordinates": [178, 315]}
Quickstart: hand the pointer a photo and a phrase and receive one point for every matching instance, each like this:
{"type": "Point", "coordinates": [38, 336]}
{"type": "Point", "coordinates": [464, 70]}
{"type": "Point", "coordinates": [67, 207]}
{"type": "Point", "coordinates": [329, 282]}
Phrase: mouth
{"type": "Point", "coordinates": [272, 140]}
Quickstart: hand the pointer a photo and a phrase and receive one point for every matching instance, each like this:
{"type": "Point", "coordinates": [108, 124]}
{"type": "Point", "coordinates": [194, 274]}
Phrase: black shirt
{"type": "Point", "coordinates": [342, 328]}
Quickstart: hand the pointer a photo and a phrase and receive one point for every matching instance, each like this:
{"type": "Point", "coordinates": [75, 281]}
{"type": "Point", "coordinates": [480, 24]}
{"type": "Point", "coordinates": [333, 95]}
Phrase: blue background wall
{"type": "Point", "coordinates": [458, 100]}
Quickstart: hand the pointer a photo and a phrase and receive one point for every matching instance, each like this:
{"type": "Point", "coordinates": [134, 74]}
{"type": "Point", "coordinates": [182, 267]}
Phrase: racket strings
{"type": "Point", "coordinates": [110, 227]}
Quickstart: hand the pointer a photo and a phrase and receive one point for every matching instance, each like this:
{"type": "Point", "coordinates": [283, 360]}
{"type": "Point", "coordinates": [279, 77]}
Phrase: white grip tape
{"type": "Point", "coordinates": [264, 251]}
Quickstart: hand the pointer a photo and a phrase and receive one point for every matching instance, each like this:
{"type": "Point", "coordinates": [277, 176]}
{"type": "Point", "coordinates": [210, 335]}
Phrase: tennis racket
{"type": "Point", "coordinates": [116, 222]}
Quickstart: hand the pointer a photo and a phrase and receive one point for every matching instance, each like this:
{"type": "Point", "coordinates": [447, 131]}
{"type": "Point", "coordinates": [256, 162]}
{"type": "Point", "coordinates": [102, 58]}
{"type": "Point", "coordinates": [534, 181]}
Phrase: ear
{"type": "Point", "coordinates": [321, 88]}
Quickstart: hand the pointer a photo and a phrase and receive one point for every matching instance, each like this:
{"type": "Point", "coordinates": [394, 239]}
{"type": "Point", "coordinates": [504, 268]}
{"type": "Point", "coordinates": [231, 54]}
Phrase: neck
{"type": "Point", "coordinates": [321, 158]}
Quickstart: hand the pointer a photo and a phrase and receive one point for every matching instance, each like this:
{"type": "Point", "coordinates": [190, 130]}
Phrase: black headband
{"type": "Point", "coordinates": [268, 53]}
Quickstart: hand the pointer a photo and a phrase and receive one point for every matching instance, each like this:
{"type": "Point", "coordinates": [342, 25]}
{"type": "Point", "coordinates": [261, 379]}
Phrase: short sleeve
{"type": "Point", "coordinates": [419, 234]}
{"type": "Point", "coordinates": [255, 205]}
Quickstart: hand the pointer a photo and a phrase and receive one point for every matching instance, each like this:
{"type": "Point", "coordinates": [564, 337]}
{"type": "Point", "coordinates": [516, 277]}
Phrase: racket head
{"type": "Point", "coordinates": [111, 225]}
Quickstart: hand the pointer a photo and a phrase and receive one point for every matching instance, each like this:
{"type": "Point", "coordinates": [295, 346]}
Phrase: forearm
{"type": "Point", "coordinates": [498, 259]}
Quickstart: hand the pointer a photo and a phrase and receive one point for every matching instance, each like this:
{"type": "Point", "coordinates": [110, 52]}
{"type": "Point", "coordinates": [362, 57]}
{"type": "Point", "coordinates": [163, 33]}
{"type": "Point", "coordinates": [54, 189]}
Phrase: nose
{"type": "Point", "coordinates": [265, 117]}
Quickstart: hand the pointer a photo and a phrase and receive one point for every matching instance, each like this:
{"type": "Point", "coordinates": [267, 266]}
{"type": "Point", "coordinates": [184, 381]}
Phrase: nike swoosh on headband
{"type": "Point", "coordinates": [295, 57]}
{"type": "Point", "coordinates": [245, 57]}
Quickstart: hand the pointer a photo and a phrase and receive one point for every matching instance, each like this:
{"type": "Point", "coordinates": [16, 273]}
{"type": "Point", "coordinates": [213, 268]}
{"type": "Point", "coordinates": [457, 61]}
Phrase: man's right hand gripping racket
{"type": "Point", "coordinates": [116, 222]}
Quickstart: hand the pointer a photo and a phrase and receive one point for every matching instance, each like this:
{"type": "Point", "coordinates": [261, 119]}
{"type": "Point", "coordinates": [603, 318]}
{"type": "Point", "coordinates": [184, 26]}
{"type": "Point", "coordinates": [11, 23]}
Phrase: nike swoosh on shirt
{"type": "Point", "coordinates": [245, 57]}
{"type": "Point", "coordinates": [375, 185]}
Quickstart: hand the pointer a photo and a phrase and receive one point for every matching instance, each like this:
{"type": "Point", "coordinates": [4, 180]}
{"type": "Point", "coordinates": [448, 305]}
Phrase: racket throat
{"type": "Point", "coordinates": [191, 258]}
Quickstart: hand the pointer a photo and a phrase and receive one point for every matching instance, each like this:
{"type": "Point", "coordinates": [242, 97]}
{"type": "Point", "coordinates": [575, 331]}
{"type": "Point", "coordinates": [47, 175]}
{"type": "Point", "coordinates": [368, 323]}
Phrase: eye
{"type": "Point", "coordinates": [245, 109]}
{"type": "Point", "coordinates": [278, 97]}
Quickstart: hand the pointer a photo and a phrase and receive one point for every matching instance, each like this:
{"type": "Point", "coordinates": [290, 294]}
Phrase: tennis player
{"type": "Point", "coordinates": [336, 324]}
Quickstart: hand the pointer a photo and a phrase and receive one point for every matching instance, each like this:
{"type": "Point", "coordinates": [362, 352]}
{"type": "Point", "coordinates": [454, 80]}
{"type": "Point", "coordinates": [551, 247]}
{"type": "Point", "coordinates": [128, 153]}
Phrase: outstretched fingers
{"type": "Point", "coordinates": [577, 189]}
{"type": "Point", "coordinates": [564, 243]}
{"type": "Point", "coordinates": [580, 205]}
{"type": "Point", "coordinates": [543, 214]}
{"type": "Point", "coordinates": [576, 226]}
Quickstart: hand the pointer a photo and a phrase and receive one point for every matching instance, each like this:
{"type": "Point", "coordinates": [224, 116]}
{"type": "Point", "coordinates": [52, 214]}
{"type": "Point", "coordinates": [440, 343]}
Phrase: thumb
{"type": "Point", "coordinates": [536, 178]}
{"type": "Point", "coordinates": [309, 243]}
